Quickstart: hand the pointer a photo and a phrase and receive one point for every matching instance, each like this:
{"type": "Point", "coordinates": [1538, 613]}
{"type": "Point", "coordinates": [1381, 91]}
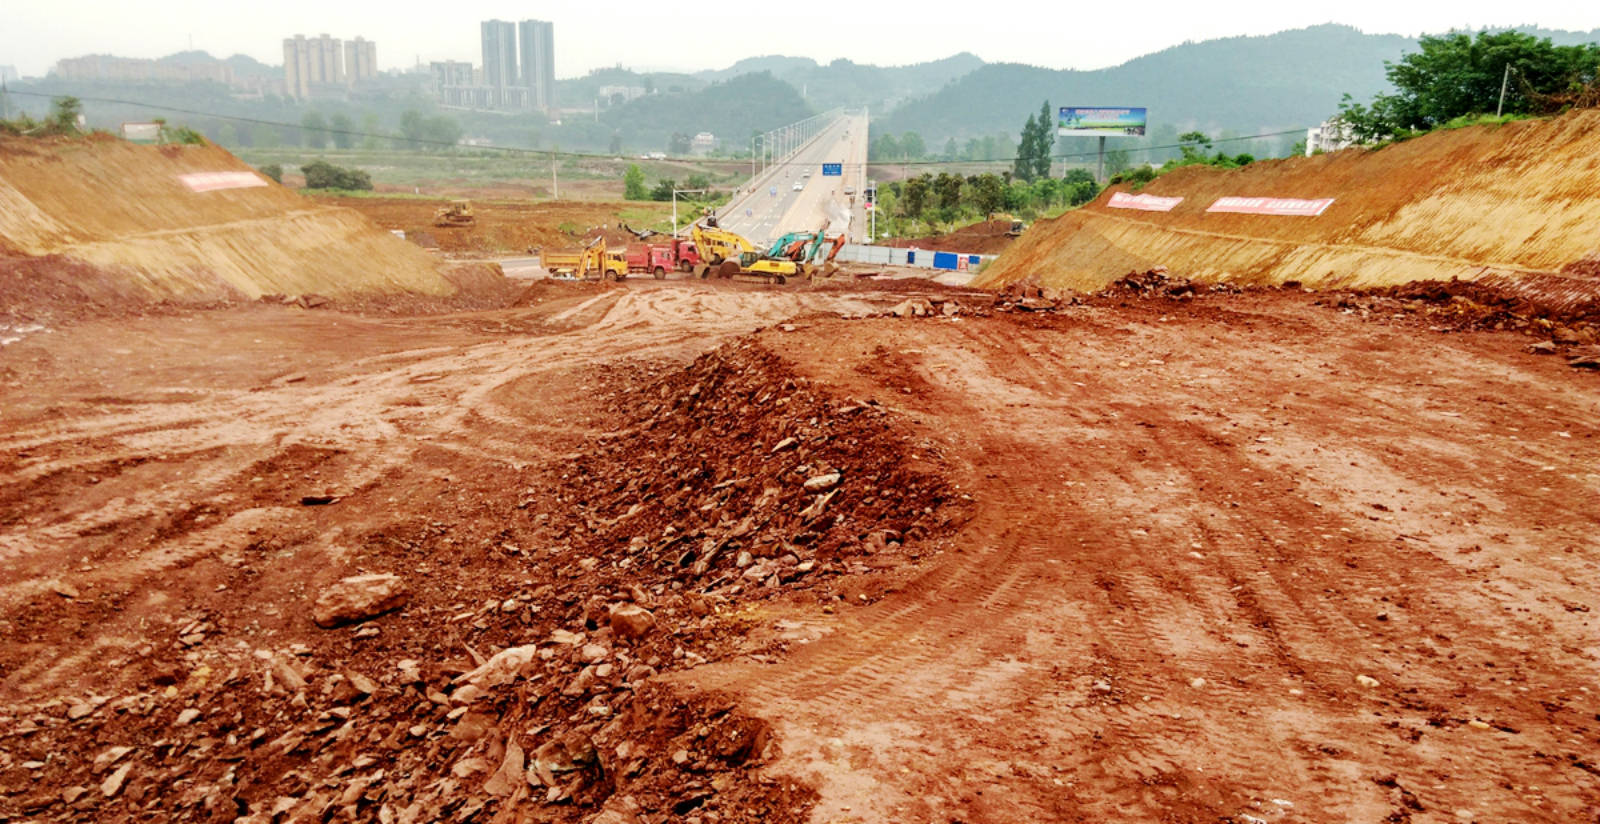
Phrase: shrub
{"type": "Point", "coordinates": [321, 174]}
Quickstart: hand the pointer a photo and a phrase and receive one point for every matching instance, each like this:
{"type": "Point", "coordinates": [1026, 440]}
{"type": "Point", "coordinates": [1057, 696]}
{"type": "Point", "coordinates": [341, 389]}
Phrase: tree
{"type": "Point", "coordinates": [342, 128]}
{"type": "Point", "coordinates": [697, 181]}
{"type": "Point", "coordinates": [616, 143]}
{"type": "Point", "coordinates": [663, 189]}
{"type": "Point", "coordinates": [1116, 161]}
{"type": "Point", "coordinates": [1044, 141]}
{"type": "Point", "coordinates": [633, 183]}
{"type": "Point", "coordinates": [886, 147]}
{"type": "Point", "coordinates": [321, 174]}
{"type": "Point", "coordinates": [1193, 146]}
{"type": "Point", "coordinates": [950, 149]}
{"type": "Point", "coordinates": [273, 171]}
{"type": "Point", "coordinates": [64, 112]}
{"type": "Point", "coordinates": [988, 193]}
{"type": "Point", "coordinates": [912, 147]}
{"type": "Point", "coordinates": [678, 144]}
{"type": "Point", "coordinates": [947, 188]}
{"type": "Point", "coordinates": [1456, 75]}
{"type": "Point", "coordinates": [915, 198]}
{"type": "Point", "coordinates": [370, 129]}
{"type": "Point", "coordinates": [1022, 165]}
{"type": "Point", "coordinates": [315, 130]}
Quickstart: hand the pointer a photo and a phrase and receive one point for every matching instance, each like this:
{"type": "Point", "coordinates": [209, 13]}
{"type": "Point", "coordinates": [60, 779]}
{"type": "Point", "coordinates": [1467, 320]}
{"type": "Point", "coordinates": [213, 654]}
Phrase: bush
{"type": "Point", "coordinates": [1137, 176]}
{"type": "Point", "coordinates": [273, 171]}
{"type": "Point", "coordinates": [321, 174]}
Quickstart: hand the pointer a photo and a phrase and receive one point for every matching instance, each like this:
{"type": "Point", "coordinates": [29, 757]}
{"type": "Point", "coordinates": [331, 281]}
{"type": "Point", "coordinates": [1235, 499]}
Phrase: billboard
{"type": "Point", "coordinates": [1144, 203]}
{"type": "Point", "coordinates": [833, 170]}
{"type": "Point", "coordinates": [1110, 121]}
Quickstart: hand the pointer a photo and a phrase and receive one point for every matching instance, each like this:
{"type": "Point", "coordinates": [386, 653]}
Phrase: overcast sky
{"type": "Point", "coordinates": [699, 35]}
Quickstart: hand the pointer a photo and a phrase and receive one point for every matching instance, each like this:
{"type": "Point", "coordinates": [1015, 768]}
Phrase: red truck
{"type": "Point", "coordinates": [660, 257]}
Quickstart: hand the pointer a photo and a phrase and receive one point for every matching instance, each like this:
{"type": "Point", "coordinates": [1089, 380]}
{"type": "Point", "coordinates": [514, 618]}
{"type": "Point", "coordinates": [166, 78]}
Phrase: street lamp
{"type": "Point", "coordinates": [675, 193]}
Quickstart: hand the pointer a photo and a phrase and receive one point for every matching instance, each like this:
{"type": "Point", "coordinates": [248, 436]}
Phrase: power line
{"type": "Point", "coordinates": [605, 156]}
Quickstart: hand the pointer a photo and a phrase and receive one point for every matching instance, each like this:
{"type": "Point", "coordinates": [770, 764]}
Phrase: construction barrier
{"type": "Point", "coordinates": [921, 258]}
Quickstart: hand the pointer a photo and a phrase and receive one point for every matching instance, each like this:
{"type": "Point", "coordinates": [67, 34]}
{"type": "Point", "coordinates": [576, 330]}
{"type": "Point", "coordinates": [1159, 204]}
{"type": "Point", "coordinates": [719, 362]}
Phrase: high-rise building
{"type": "Point", "coordinates": [538, 62]}
{"type": "Point", "coordinates": [360, 60]}
{"type": "Point", "coordinates": [499, 55]}
{"type": "Point", "coordinates": [317, 64]}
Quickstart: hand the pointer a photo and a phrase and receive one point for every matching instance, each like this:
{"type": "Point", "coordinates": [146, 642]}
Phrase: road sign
{"type": "Point", "coordinates": [833, 170]}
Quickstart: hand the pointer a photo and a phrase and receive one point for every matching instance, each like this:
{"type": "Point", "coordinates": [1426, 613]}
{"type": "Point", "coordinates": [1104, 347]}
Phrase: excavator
{"type": "Point", "coordinates": [729, 255]}
{"type": "Point", "coordinates": [455, 213]}
{"type": "Point", "coordinates": [591, 261]}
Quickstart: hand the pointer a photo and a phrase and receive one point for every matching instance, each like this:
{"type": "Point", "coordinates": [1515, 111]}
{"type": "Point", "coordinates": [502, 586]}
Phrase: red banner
{"type": "Point", "coordinates": [1144, 203]}
{"type": "Point", "coordinates": [1285, 206]}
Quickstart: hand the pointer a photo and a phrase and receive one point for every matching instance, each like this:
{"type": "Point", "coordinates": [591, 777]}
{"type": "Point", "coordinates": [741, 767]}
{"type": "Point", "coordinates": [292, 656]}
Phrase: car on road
{"type": "Point", "coordinates": [798, 185]}
{"type": "Point", "coordinates": [773, 190]}
{"type": "Point", "coordinates": [849, 190]}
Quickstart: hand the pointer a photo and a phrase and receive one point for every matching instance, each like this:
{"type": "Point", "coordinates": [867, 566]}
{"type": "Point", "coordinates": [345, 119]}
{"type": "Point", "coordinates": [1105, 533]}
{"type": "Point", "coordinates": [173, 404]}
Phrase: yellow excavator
{"type": "Point", "coordinates": [591, 261]}
{"type": "Point", "coordinates": [455, 213]}
{"type": "Point", "coordinates": [728, 254]}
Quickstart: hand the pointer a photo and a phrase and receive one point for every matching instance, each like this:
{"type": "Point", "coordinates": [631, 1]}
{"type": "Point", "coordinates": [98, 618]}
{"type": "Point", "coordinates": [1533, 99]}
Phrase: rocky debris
{"type": "Point", "coordinates": [1462, 306]}
{"type": "Point", "coordinates": [1366, 681]}
{"type": "Point", "coordinates": [1159, 283]}
{"type": "Point", "coordinates": [630, 621]}
{"type": "Point", "coordinates": [1589, 359]}
{"type": "Point", "coordinates": [113, 782]}
{"type": "Point", "coordinates": [358, 598]}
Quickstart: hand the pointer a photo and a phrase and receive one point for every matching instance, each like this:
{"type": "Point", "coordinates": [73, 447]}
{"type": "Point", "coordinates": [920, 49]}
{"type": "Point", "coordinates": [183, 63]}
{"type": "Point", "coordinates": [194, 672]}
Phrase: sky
{"type": "Point", "coordinates": [708, 35]}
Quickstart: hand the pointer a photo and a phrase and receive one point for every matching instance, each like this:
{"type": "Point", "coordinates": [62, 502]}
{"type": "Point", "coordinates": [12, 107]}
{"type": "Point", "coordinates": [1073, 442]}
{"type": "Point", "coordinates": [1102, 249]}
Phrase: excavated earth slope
{"type": "Point", "coordinates": [117, 222]}
{"type": "Point", "coordinates": [1515, 204]}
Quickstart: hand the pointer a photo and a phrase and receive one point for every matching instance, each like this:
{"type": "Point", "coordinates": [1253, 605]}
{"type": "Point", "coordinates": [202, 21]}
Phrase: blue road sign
{"type": "Point", "coordinates": [833, 170]}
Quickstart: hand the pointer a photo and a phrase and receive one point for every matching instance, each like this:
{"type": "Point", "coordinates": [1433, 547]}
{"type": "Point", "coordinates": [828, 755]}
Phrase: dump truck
{"type": "Point", "coordinates": [658, 257]}
{"type": "Point", "coordinates": [590, 262]}
{"type": "Point", "coordinates": [455, 213]}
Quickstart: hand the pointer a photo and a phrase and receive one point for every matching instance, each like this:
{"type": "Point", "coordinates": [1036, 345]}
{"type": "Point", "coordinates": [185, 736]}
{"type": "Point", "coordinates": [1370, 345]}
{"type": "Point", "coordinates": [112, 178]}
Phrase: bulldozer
{"type": "Point", "coordinates": [1015, 230]}
{"type": "Point", "coordinates": [454, 213]}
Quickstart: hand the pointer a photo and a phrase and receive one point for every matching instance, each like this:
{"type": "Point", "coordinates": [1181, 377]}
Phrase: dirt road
{"type": "Point", "coordinates": [1238, 559]}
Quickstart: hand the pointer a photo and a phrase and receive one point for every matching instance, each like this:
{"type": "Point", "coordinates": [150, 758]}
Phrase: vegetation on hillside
{"type": "Point", "coordinates": [936, 203]}
{"type": "Point", "coordinates": [1457, 76]}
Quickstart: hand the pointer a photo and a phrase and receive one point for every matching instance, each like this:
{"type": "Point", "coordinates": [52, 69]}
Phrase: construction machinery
{"type": "Point", "coordinates": [1015, 230]}
{"type": "Point", "coordinates": [454, 213]}
{"type": "Point", "coordinates": [592, 261]}
{"type": "Point", "coordinates": [729, 255]}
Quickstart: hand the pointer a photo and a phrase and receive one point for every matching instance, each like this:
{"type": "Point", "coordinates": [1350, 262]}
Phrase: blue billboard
{"type": "Point", "coordinates": [1102, 121]}
{"type": "Point", "coordinates": [833, 170]}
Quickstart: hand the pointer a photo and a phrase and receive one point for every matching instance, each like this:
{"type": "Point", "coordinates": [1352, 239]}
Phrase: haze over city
{"type": "Point", "coordinates": [644, 35]}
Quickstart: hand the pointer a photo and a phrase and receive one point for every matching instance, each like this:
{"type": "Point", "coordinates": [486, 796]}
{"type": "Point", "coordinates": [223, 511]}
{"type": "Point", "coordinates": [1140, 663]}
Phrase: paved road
{"type": "Point", "coordinates": [776, 207]}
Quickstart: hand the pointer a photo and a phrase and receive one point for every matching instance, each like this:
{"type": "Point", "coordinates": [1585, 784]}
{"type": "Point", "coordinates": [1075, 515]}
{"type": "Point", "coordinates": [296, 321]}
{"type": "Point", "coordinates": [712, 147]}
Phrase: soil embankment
{"type": "Point", "coordinates": [1514, 204]}
{"type": "Point", "coordinates": [116, 223]}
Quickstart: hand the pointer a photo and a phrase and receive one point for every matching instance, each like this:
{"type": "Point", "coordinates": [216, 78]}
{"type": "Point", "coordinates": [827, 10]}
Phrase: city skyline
{"type": "Point", "coordinates": [36, 35]}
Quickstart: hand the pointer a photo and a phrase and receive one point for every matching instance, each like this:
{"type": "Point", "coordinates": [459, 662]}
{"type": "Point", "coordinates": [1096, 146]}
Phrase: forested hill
{"type": "Point", "coordinates": [1244, 84]}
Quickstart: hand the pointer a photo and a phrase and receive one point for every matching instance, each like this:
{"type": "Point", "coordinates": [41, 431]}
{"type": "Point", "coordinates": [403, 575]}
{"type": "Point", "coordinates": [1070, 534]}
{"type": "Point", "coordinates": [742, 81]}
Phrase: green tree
{"type": "Point", "coordinates": [697, 181]}
{"type": "Point", "coordinates": [64, 112]}
{"type": "Point", "coordinates": [1044, 140]}
{"type": "Point", "coordinates": [633, 183]}
{"type": "Point", "coordinates": [912, 147]}
{"type": "Point", "coordinates": [663, 189]}
{"type": "Point", "coordinates": [915, 196]}
{"type": "Point", "coordinates": [321, 174]}
{"type": "Point", "coordinates": [1457, 74]}
{"type": "Point", "coordinates": [342, 128]}
{"type": "Point", "coordinates": [950, 149]}
{"type": "Point", "coordinates": [1193, 146]}
{"type": "Point", "coordinates": [947, 189]}
{"type": "Point", "coordinates": [885, 147]}
{"type": "Point", "coordinates": [988, 194]}
{"type": "Point", "coordinates": [315, 130]}
{"type": "Point", "coordinates": [370, 129]}
{"type": "Point", "coordinates": [1116, 161]}
{"type": "Point", "coordinates": [273, 171]}
{"type": "Point", "coordinates": [1022, 165]}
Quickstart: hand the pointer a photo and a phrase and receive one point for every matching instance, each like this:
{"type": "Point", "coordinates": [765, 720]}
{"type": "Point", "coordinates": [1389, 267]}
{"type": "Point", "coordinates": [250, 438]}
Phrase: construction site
{"type": "Point", "coordinates": [1260, 495]}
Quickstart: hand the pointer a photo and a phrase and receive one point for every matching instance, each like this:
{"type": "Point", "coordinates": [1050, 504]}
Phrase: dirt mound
{"type": "Point", "coordinates": [1469, 203]}
{"type": "Point", "coordinates": [984, 238]}
{"type": "Point", "coordinates": [732, 481]}
{"type": "Point", "coordinates": [501, 226]}
{"type": "Point", "coordinates": [189, 224]}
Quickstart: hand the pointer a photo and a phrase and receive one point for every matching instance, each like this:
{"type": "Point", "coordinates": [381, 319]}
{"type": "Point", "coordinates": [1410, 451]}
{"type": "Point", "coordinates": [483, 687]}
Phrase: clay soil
{"type": "Point", "coordinates": [506, 227]}
{"type": "Point", "coordinates": [1236, 557]}
{"type": "Point", "coordinates": [982, 238]}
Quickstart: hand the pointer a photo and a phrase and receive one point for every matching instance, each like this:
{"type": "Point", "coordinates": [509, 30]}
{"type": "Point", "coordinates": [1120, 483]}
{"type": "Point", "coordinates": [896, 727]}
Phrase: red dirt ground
{"type": "Point", "coordinates": [1126, 559]}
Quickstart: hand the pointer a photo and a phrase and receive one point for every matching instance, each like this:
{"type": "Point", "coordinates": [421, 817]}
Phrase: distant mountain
{"type": "Point", "coordinates": [582, 91]}
{"type": "Point", "coordinates": [1244, 85]}
{"type": "Point", "coordinates": [846, 83]}
{"type": "Point", "coordinates": [731, 110]}
{"type": "Point", "coordinates": [1279, 81]}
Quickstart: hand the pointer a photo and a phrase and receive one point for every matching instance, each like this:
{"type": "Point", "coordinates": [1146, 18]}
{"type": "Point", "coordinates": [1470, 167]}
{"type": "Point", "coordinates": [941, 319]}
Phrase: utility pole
{"type": "Point", "coordinates": [555, 182]}
{"type": "Point", "coordinates": [1504, 79]}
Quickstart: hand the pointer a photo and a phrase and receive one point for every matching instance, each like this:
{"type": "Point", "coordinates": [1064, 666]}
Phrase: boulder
{"type": "Point", "coordinates": [358, 598]}
{"type": "Point", "coordinates": [631, 621]}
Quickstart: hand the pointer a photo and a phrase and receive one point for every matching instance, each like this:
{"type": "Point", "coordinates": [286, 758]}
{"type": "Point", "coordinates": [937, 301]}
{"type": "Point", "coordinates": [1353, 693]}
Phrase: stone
{"type": "Point", "coordinates": [1366, 681]}
{"type": "Point", "coordinates": [566, 637]}
{"type": "Point", "coordinates": [288, 674]}
{"type": "Point", "coordinates": [502, 668]}
{"type": "Point", "coordinates": [113, 783]}
{"type": "Point", "coordinates": [358, 598]}
{"type": "Point", "coordinates": [1543, 347]}
{"type": "Point", "coordinates": [82, 709]}
{"type": "Point", "coordinates": [187, 717]}
{"type": "Point", "coordinates": [593, 652]}
{"type": "Point", "coordinates": [72, 794]}
{"type": "Point", "coordinates": [64, 589]}
{"type": "Point", "coordinates": [410, 671]}
{"type": "Point", "coordinates": [109, 757]}
{"type": "Point", "coordinates": [361, 683]}
{"type": "Point", "coordinates": [510, 773]}
{"type": "Point", "coordinates": [1198, 683]}
{"type": "Point", "coordinates": [631, 621]}
{"type": "Point", "coordinates": [823, 483]}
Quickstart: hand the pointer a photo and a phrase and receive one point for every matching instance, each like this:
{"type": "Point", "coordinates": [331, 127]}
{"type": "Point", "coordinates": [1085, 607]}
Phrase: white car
{"type": "Point", "coordinates": [798, 185]}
